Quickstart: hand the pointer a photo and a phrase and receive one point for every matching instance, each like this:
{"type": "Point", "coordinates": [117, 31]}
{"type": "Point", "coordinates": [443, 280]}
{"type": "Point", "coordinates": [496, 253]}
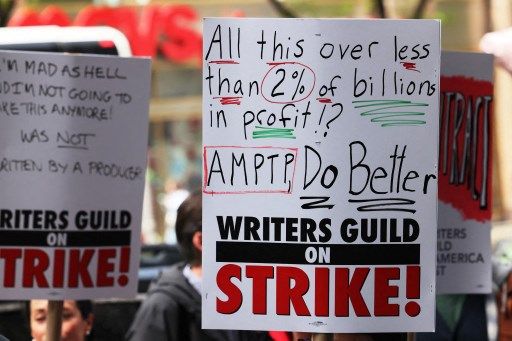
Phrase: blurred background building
{"type": "Point", "coordinates": [170, 32]}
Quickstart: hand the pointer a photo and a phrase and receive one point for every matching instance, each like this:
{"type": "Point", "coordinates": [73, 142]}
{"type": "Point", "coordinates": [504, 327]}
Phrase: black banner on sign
{"type": "Point", "coordinates": [65, 239]}
{"type": "Point", "coordinates": [334, 254]}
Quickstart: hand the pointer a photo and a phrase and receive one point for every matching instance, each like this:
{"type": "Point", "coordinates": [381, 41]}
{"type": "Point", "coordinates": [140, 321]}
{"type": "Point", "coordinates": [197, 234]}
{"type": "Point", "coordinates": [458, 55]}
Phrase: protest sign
{"type": "Point", "coordinates": [73, 141]}
{"type": "Point", "coordinates": [320, 174]}
{"type": "Point", "coordinates": [465, 174]}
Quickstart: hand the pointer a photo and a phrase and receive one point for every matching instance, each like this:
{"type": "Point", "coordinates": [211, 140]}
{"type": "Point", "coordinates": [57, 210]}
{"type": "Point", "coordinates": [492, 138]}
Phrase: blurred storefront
{"type": "Point", "coordinates": [170, 32]}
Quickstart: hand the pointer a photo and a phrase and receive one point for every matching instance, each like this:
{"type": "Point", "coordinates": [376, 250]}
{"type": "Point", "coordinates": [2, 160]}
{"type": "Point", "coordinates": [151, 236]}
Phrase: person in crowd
{"type": "Point", "coordinates": [77, 320]}
{"type": "Point", "coordinates": [172, 308]}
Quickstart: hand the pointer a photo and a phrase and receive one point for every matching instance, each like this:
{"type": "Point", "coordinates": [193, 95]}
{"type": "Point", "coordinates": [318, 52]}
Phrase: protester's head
{"type": "Point", "coordinates": [189, 227]}
{"type": "Point", "coordinates": [77, 320]}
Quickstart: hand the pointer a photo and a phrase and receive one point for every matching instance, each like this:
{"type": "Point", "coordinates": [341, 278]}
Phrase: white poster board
{"type": "Point", "coordinates": [73, 142]}
{"type": "Point", "coordinates": [465, 174]}
{"type": "Point", "coordinates": [320, 174]}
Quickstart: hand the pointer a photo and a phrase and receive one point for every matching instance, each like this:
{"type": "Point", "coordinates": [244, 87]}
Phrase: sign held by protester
{"type": "Point", "coordinates": [73, 140]}
{"type": "Point", "coordinates": [320, 174]}
{"type": "Point", "coordinates": [465, 174]}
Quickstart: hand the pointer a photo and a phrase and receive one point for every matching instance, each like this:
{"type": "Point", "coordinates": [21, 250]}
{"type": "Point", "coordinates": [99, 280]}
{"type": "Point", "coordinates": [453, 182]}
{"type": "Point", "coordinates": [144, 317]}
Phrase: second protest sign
{"type": "Point", "coordinates": [73, 142]}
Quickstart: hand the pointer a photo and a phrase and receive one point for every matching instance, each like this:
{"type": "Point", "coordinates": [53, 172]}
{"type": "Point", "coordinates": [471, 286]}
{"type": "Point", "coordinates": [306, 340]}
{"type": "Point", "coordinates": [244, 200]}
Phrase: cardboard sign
{"type": "Point", "coordinates": [73, 141]}
{"type": "Point", "coordinates": [465, 174]}
{"type": "Point", "coordinates": [320, 174]}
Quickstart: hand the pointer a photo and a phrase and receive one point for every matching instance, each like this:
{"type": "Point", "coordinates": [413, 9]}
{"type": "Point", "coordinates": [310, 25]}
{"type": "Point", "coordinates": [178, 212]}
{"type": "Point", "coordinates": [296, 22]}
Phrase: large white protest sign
{"type": "Point", "coordinates": [73, 155]}
{"type": "Point", "coordinates": [465, 174]}
{"type": "Point", "coordinates": [320, 174]}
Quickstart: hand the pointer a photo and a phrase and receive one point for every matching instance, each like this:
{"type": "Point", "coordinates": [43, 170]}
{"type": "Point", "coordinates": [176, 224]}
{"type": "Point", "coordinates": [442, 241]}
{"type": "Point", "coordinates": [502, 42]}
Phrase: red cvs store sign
{"type": "Point", "coordinates": [166, 29]}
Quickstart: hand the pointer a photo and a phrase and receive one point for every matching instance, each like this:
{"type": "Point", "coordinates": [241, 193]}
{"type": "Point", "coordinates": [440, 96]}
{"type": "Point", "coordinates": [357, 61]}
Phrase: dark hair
{"type": "Point", "coordinates": [85, 308]}
{"type": "Point", "coordinates": [188, 222]}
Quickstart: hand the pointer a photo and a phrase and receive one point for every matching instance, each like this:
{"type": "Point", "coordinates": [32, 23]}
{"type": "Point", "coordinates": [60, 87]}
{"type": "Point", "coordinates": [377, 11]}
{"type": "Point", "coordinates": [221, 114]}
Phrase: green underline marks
{"type": "Point", "coordinates": [389, 113]}
{"type": "Point", "coordinates": [277, 133]}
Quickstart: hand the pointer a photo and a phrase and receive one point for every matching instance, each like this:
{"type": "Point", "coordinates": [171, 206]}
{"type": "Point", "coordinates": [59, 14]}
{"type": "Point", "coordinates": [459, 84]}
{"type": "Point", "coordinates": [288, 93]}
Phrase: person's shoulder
{"type": "Point", "coordinates": [161, 298]}
{"type": "Point", "coordinates": [169, 277]}
{"type": "Point", "coordinates": [172, 273]}
{"type": "Point", "coordinates": [168, 282]}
